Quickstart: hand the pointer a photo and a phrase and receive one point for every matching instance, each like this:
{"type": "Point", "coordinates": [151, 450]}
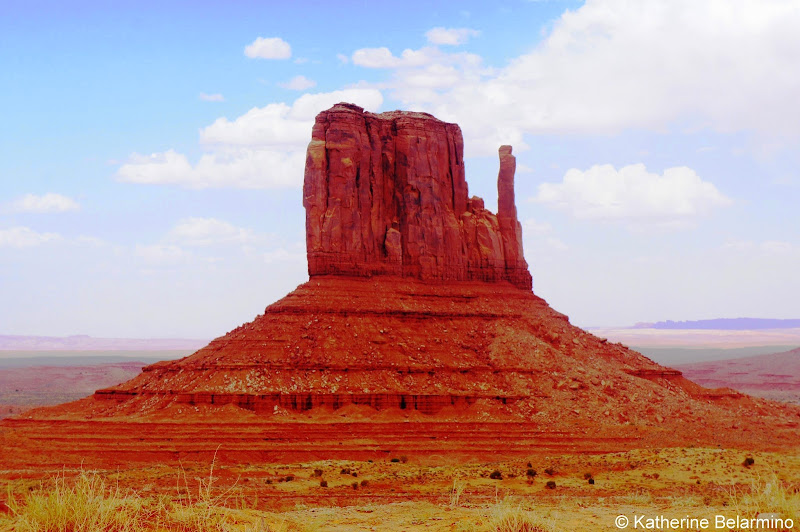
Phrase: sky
{"type": "Point", "coordinates": [152, 153]}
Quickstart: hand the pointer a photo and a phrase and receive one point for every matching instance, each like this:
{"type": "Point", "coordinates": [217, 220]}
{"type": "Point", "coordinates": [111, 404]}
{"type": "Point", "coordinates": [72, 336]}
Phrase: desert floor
{"type": "Point", "coordinates": [435, 495]}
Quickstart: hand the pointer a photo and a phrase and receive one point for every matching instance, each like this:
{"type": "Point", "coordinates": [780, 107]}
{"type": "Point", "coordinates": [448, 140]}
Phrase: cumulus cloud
{"type": "Point", "coordinates": [24, 237]}
{"type": "Point", "coordinates": [46, 203]}
{"type": "Point", "coordinates": [212, 97]}
{"type": "Point", "coordinates": [268, 48]}
{"type": "Point", "coordinates": [236, 168]}
{"type": "Point", "coordinates": [208, 231]}
{"type": "Point", "coordinates": [612, 65]}
{"type": "Point", "coordinates": [450, 36]}
{"type": "Point", "coordinates": [264, 148]}
{"type": "Point", "coordinates": [160, 254]}
{"type": "Point", "coordinates": [298, 83]}
{"type": "Point", "coordinates": [531, 227]}
{"type": "Point", "coordinates": [296, 254]}
{"type": "Point", "coordinates": [633, 194]}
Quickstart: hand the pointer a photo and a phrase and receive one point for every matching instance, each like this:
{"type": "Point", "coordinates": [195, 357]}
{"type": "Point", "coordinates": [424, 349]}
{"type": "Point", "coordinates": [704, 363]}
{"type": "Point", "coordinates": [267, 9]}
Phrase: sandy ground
{"type": "Point", "coordinates": [406, 495]}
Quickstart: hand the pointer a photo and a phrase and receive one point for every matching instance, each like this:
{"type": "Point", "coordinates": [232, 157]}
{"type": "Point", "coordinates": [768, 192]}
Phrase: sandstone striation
{"type": "Point", "coordinates": [385, 194]}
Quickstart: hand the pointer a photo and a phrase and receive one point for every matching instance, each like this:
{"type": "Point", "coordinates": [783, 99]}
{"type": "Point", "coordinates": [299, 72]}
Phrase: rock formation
{"type": "Point", "coordinates": [418, 309]}
{"type": "Point", "coordinates": [386, 195]}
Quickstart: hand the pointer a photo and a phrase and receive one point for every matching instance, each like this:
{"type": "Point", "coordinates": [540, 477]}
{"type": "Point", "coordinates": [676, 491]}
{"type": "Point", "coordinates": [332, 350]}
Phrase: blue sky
{"type": "Point", "coordinates": [152, 155]}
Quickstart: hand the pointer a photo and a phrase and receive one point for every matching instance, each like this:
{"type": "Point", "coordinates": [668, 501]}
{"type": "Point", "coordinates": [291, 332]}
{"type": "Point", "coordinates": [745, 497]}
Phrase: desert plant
{"type": "Point", "coordinates": [323, 483]}
{"type": "Point", "coordinates": [551, 484]}
{"type": "Point", "coordinates": [318, 472]}
{"type": "Point", "coordinates": [768, 495]}
{"type": "Point", "coordinates": [530, 473]}
{"type": "Point", "coordinates": [508, 516]}
{"type": "Point", "coordinates": [496, 475]}
{"type": "Point", "coordinates": [83, 504]}
{"type": "Point", "coordinates": [455, 493]}
{"type": "Point", "coordinates": [748, 461]}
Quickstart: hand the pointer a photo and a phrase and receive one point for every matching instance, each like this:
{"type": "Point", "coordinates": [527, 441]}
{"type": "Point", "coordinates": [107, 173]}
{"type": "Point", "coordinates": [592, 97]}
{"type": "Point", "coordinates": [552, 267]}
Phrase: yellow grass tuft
{"type": "Point", "coordinates": [88, 504]}
{"type": "Point", "coordinates": [768, 495]}
{"type": "Point", "coordinates": [509, 516]}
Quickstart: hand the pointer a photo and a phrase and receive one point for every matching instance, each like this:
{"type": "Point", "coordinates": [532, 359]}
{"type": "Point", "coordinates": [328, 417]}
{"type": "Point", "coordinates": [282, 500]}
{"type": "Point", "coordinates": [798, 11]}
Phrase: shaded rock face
{"type": "Point", "coordinates": [385, 194]}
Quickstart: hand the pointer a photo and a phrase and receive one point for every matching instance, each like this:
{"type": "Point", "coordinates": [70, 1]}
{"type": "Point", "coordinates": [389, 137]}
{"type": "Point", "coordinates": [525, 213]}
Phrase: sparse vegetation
{"type": "Point", "coordinates": [496, 475]}
{"type": "Point", "coordinates": [508, 516]}
{"type": "Point", "coordinates": [89, 504]}
{"type": "Point", "coordinates": [748, 461]}
{"type": "Point", "coordinates": [224, 500]}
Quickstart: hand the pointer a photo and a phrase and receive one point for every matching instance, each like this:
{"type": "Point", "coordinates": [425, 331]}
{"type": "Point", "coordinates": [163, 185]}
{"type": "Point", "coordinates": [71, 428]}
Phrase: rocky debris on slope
{"type": "Point", "coordinates": [386, 194]}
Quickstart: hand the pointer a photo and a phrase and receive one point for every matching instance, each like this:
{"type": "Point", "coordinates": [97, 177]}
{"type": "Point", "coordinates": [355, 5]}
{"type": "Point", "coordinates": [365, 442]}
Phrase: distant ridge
{"type": "Point", "coordinates": [727, 324]}
{"type": "Point", "coordinates": [88, 343]}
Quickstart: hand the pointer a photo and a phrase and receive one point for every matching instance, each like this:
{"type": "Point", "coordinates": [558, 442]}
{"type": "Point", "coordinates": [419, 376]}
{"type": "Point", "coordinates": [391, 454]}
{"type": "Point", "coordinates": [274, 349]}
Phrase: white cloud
{"type": "Point", "coordinates": [264, 148]}
{"type": "Point", "coordinates": [633, 194]}
{"type": "Point", "coordinates": [47, 203]}
{"type": "Point", "coordinates": [160, 254]}
{"type": "Point", "coordinates": [23, 237]}
{"type": "Point", "coordinates": [612, 65]}
{"type": "Point", "coordinates": [342, 58]}
{"type": "Point", "coordinates": [208, 231]}
{"type": "Point", "coordinates": [212, 97]}
{"type": "Point", "coordinates": [778, 247]}
{"type": "Point", "coordinates": [268, 48]}
{"type": "Point", "coordinates": [298, 83]}
{"type": "Point", "coordinates": [236, 168]}
{"type": "Point", "coordinates": [450, 36]}
{"type": "Point", "coordinates": [281, 254]}
{"type": "Point", "coordinates": [532, 227]}
{"type": "Point", "coordinates": [556, 244]}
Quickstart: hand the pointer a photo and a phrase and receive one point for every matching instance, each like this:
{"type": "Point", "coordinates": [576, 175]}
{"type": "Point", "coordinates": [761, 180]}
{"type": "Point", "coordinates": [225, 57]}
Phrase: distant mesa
{"type": "Point", "coordinates": [724, 324]}
{"type": "Point", "coordinates": [84, 342]}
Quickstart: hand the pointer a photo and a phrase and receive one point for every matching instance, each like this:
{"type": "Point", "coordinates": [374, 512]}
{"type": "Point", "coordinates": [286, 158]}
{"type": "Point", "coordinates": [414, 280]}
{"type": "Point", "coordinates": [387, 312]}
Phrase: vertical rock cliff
{"type": "Point", "coordinates": [385, 194]}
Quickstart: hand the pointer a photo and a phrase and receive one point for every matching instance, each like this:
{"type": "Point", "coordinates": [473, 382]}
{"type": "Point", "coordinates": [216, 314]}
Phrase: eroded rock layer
{"type": "Point", "coordinates": [386, 194]}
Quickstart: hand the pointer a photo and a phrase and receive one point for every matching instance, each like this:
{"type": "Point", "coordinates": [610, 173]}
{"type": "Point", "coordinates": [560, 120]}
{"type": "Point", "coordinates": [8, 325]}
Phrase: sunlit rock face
{"type": "Point", "coordinates": [385, 194]}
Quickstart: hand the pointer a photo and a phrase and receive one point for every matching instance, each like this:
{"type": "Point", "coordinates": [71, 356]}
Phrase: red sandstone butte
{"type": "Point", "coordinates": [385, 194]}
{"type": "Point", "coordinates": [417, 333]}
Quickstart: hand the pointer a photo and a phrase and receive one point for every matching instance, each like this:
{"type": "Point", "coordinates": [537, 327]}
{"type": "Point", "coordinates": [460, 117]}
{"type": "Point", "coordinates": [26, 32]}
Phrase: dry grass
{"type": "Point", "coordinates": [88, 504]}
{"type": "Point", "coordinates": [508, 515]}
{"type": "Point", "coordinates": [769, 495]}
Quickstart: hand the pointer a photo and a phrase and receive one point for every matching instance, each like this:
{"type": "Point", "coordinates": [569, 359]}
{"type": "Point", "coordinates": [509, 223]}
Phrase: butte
{"type": "Point", "coordinates": [417, 333]}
